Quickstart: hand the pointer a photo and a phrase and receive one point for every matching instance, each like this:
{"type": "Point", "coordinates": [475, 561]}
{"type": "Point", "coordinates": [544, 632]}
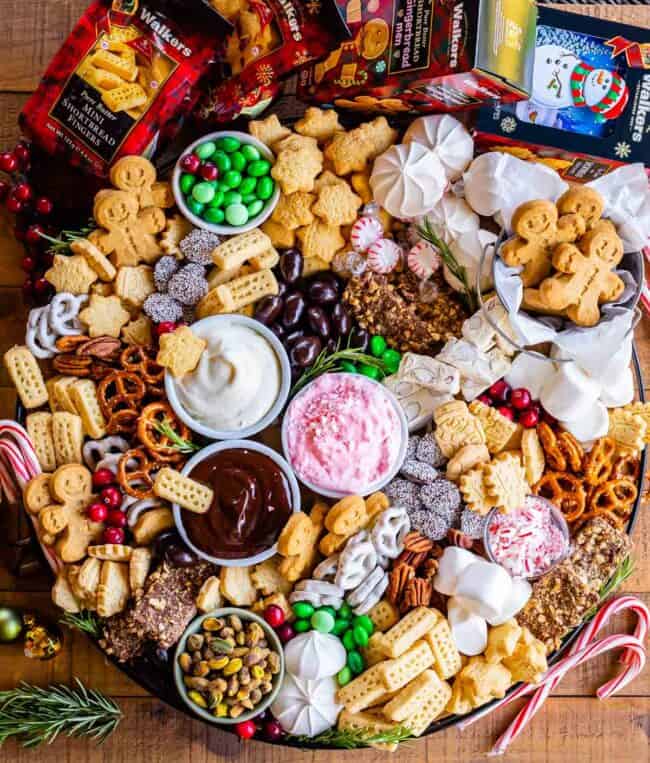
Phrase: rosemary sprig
{"type": "Point", "coordinates": [331, 361]}
{"type": "Point", "coordinates": [61, 245]}
{"type": "Point", "coordinates": [623, 572]}
{"type": "Point", "coordinates": [350, 739]}
{"type": "Point", "coordinates": [85, 621]}
{"type": "Point", "coordinates": [38, 716]}
{"type": "Point", "coordinates": [182, 445]}
{"type": "Point", "coordinates": [428, 233]}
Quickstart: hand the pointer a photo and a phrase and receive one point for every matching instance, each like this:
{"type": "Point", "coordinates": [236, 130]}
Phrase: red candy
{"type": "Point", "coordinates": [520, 398]}
{"type": "Point", "coordinates": [97, 512]}
{"type": "Point", "coordinates": [274, 616]}
{"type": "Point", "coordinates": [208, 171]}
{"type": "Point", "coordinates": [272, 730]}
{"type": "Point", "coordinates": [285, 633]}
{"type": "Point", "coordinates": [190, 163]}
{"type": "Point", "coordinates": [245, 729]}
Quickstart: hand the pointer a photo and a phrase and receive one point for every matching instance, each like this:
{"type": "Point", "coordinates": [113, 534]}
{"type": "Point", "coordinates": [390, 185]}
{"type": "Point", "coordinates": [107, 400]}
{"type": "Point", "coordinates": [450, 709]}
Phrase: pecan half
{"type": "Point", "coordinates": [430, 569]}
{"type": "Point", "coordinates": [416, 594]}
{"type": "Point", "coordinates": [70, 343]}
{"type": "Point", "coordinates": [104, 347]}
{"type": "Point", "coordinates": [99, 370]}
{"type": "Point", "coordinates": [72, 365]}
{"type": "Point", "coordinates": [412, 558]}
{"type": "Point", "coordinates": [398, 579]}
{"type": "Point", "coordinates": [416, 542]}
{"type": "Point", "coordinates": [460, 539]}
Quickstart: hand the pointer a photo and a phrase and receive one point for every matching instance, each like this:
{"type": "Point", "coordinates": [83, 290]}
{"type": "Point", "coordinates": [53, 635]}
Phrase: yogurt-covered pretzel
{"type": "Point", "coordinates": [373, 596]}
{"type": "Point", "coordinates": [39, 337]}
{"type": "Point", "coordinates": [63, 313]}
{"type": "Point", "coordinates": [358, 559]}
{"type": "Point", "coordinates": [326, 570]}
{"type": "Point", "coordinates": [358, 595]}
{"type": "Point", "coordinates": [95, 450]}
{"type": "Point", "coordinates": [389, 531]}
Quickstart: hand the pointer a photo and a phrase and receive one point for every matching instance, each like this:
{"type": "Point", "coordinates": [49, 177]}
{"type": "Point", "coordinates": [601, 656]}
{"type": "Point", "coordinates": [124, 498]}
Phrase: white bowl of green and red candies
{"type": "Point", "coordinates": [222, 183]}
{"type": "Point", "coordinates": [353, 630]}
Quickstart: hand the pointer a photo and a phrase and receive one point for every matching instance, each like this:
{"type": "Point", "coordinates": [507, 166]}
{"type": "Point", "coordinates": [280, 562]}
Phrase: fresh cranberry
{"type": "Point", "coordinates": [245, 729]}
{"type": "Point", "coordinates": [46, 259]}
{"type": "Point", "coordinates": [520, 398]}
{"type": "Point", "coordinates": [22, 153]}
{"type": "Point", "coordinates": [274, 615]}
{"type": "Point", "coordinates": [13, 204]}
{"type": "Point", "coordinates": [23, 191]}
{"type": "Point", "coordinates": [28, 264]}
{"type": "Point", "coordinates": [28, 288]}
{"type": "Point", "coordinates": [190, 163]}
{"type": "Point", "coordinates": [113, 535]}
{"type": "Point", "coordinates": [8, 162]}
{"type": "Point", "coordinates": [41, 286]}
{"type": "Point", "coordinates": [500, 391]}
{"type": "Point", "coordinates": [97, 512]}
{"type": "Point", "coordinates": [507, 412]}
{"type": "Point", "coordinates": [272, 731]}
{"type": "Point", "coordinates": [485, 399]}
{"type": "Point", "coordinates": [33, 234]}
{"type": "Point", "coordinates": [116, 518]}
{"type": "Point", "coordinates": [208, 171]}
{"type": "Point", "coordinates": [103, 478]}
{"type": "Point", "coordinates": [44, 206]}
{"type": "Point", "coordinates": [19, 233]}
{"type": "Point", "coordinates": [285, 633]}
{"type": "Point", "coordinates": [529, 418]}
{"type": "Point", "coordinates": [4, 189]}
{"type": "Point", "coordinates": [112, 497]}
{"type": "Point", "coordinates": [166, 327]}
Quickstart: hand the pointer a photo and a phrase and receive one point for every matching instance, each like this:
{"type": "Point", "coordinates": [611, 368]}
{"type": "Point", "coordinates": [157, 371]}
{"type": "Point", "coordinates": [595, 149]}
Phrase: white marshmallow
{"type": "Point", "coordinates": [530, 372]}
{"type": "Point", "coordinates": [483, 587]}
{"type": "Point", "coordinates": [452, 563]}
{"type": "Point", "coordinates": [468, 630]}
{"type": "Point", "coordinates": [519, 594]}
{"type": "Point", "coordinates": [591, 425]}
{"type": "Point", "coordinates": [569, 393]}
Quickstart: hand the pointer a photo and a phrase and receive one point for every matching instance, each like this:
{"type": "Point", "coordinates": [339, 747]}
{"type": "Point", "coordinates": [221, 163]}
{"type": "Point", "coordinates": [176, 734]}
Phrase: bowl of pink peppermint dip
{"type": "Point", "coordinates": [344, 434]}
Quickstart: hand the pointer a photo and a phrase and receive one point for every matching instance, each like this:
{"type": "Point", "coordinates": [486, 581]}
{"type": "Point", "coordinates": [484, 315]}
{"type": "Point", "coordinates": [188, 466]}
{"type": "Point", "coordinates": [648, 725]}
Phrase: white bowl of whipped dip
{"type": "Point", "coordinates": [240, 384]}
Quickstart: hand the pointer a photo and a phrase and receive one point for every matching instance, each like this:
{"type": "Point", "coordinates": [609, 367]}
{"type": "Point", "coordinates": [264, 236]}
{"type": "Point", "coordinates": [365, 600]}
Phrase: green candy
{"type": "Point", "coordinates": [344, 676]}
{"type": "Point", "coordinates": [222, 160]}
{"type": "Point", "coordinates": [377, 345]}
{"type": "Point", "coordinates": [355, 662]}
{"type": "Point", "coordinates": [205, 150]}
{"type": "Point", "coordinates": [228, 144]}
{"type": "Point", "coordinates": [203, 193]}
{"type": "Point", "coordinates": [236, 215]}
{"type": "Point", "coordinates": [214, 215]}
{"type": "Point", "coordinates": [232, 178]}
{"type": "Point", "coordinates": [250, 153]}
{"type": "Point", "coordinates": [303, 609]}
{"type": "Point", "coordinates": [363, 621]}
{"type": "Point", "coordinates": [194, 206]}
{"type": "Point", "coordinates": [232, 197]}
{"type": "Point", "coordinates": [258, 168]}
{"type": "Point", "coordinates": [348, 366]}
{"type": "Point", "coordinates": [247, 186]}
{"type": "Point", "coordinates": [254, 208]}
{"type": "Point", "coordinates": [340, 626]}
{"type": "Point", "coordinates": [249, 198]}
{"type": "Point", "coordinates": [217, 199]}
{"type": "Point", "coordinates": [345, 611]}
{"type": "Point", "coordinates": [360, 636]}
{"type": "Point", "coordinates": [321, 621]}
{"type": "Point", "coordinates": [265, 187]}
{"type": "Point", "coordinates": [370, 371]}
{"type": "Point", "coordinates": [238, 161]}
{"type": "Point", "coordinates": [348, 640]}
{"type": "Point", "coordinates": [326, 608]}
{"type": "Point", "coordinates": [186, 182]}
{"type": "Point", "coordinates": [301, 626]}
{"type": "Point", "coordinates": [391, 359]}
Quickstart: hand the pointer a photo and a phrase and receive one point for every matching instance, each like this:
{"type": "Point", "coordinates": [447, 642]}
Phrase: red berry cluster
{"type": "Point", "coordinates": [32, 212]}
{"type": "Point", "coordinates": [191, 164]}
{"type": "Point", "coordinates": [108, 508]}
{"type": "Point", "coordinates": [515, 404]}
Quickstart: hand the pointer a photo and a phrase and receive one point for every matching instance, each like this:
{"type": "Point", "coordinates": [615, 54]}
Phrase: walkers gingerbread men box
{"type": "Point", "coordinates": [589, 110]}
{"type": "Point", "coordinates": [422, 56]}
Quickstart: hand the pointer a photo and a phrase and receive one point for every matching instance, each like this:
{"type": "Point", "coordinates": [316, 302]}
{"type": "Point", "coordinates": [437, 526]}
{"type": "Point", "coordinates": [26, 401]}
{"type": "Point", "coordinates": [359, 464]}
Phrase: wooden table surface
{"type": "Point", "coordinates": [573, 726]}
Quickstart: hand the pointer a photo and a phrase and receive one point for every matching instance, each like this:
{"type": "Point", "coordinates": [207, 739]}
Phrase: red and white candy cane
{"type": "Point", "coordinates": [584, 648]}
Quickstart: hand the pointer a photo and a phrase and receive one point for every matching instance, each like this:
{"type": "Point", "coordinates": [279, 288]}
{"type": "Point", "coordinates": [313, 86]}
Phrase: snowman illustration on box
{"type": "Point", "coordinates": [561, 80]}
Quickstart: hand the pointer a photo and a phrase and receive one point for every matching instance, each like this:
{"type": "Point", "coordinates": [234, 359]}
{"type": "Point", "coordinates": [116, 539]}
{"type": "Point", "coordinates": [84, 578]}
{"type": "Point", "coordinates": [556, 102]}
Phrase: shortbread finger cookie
{"type": "Point", "coordinates": [234, 252]}
{"type": "Point", "coordinates": [26, 376]}
{"type": "Point", "coordinates": [247, 289]}
{"type": "Point", "coordinates": [39, 429]}
{"type": "Point", "coordinates": [61, 391]}
{"type": "Point", "coordinates": [84, 396]}
{"type": "Point", "coordinates": [187, 493]}
{"type": "Point", "coordinates": [97, 260]}
{"type": "Point", "coordinates": [67, 432]}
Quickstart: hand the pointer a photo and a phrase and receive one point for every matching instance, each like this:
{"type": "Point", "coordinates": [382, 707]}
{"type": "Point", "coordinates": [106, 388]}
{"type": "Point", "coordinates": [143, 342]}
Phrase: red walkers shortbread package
{"type": "Point", "coordinates": [126, 76]}
{"type": "Point", "coordinates": [270, 39]}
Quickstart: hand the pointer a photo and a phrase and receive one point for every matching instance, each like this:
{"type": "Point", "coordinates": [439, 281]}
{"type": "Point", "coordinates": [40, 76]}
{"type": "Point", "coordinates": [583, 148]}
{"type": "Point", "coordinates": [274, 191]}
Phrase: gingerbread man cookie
{"type": "Point", "coordinates": [585, 280]}
{"type": "Point", "coordinates": [137, 175]}
{"type": "Point", "coordinates": [538, 229]}
{"type": "Point", "coordinates": [583, 201]}
{"type": "Point", "coordinates": [129, 238]}
{"type": "Point", "coordinates": [66, 520]}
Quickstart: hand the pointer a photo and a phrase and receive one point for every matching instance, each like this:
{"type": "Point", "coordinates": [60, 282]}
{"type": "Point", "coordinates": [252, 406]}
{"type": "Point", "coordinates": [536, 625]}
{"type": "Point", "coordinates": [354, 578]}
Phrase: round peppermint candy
{"type": "Point", "coordinates": [365, 231]}
{"type": "Point", "coordinates": [423, 259]}
{"type": "Point", "coordinates": [383, 255]}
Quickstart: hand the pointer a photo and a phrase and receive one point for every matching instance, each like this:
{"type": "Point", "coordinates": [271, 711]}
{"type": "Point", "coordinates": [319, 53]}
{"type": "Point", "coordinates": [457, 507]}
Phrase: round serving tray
{"type": "Point", "coordinates": [155, 674]}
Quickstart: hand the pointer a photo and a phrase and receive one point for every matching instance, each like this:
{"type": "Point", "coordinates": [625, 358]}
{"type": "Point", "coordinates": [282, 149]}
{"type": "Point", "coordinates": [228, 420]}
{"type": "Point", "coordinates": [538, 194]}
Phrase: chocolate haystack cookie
{"type": "Point", "coordinates": [410, 320]}
{"type": "Point", "coordinates": [160, 614]}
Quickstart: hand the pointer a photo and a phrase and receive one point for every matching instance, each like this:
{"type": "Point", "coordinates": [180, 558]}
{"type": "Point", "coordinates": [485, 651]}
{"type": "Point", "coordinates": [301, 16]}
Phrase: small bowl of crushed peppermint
{"type": "Point", "coordinates": [530, 541]}
{"type": "Point", "coordinates": [222, 182]}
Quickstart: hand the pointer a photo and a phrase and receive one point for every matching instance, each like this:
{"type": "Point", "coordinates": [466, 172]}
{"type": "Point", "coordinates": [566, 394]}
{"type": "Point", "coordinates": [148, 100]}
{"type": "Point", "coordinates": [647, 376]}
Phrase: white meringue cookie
{"type": "Point", "coordinates": [569, 393]}
{"type": "Point", "coordinates": [452, 216]}
{"type": "Point", "coordinates": [446, 136]}
{"type": "Point", "coordinates": [306, 708]}
{"type": "Point", "coordinates": [530, 372]}
{"type": "Point", "coordinates": [314, 655]}
{"type": "Point", "coordinates": [591, 424]}
{"type": "Point", "coordinates": [408, 181]}
{"type": "Point", "coordinates": [468, 630]}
